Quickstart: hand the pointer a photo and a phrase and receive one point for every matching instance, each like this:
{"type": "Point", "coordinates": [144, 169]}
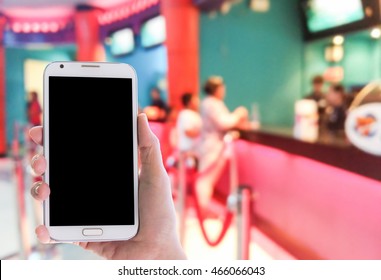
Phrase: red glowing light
{"type": "Point", "coordinates": [100, 19]}
{"type": "Point", "coordinates": [143, 5]}
{"type": "Point", "coordinates": [125, 11]}
{"type": "Point", "coordinates": [36, 27]}
{"type": "Point", "coordinates": [17, 27]}
{"type": "Point", "coordinates": [119, 14]}
{"type": "Point", "coordinates": [137, 7]}
{"type": "Point", "coordinates": [26, 27]}
{"type": "Point", "coordinates": [148, 3]}
{"type": "Point", "coordinates": [114, 15]}
{"type": "Point", "coordinates": [54, 27]}
{"type": "Point", "coordinates": [45, 27]}
{"type": "Point", "coordinates": [133, 7]}
{"type": "Point", "coordinates": [108, 17]}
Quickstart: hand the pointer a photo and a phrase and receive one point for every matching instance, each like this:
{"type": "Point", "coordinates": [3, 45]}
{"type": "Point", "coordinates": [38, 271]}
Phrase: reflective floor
{"type": "Point", "coordinates": [11, 240]}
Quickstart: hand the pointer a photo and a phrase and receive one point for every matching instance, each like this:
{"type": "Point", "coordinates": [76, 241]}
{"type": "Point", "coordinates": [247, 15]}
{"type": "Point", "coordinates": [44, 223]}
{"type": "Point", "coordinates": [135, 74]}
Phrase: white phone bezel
{"type": "Point", "coordinates": [102, 70]}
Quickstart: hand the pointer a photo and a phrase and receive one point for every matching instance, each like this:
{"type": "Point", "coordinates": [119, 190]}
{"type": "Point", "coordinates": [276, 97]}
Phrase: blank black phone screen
{"type": "Point", "coordinates": [91, 168]}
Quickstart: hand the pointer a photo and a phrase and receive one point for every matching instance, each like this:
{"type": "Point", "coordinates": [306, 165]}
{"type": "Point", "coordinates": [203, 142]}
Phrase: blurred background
{"type": "Point", "coordinates": [296, 80]}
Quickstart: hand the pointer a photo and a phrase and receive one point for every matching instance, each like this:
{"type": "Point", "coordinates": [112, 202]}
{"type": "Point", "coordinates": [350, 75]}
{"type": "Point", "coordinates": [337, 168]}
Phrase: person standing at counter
{"type": "Point", "coordinates": [318, 95]}
{"type": "Point", "coordinates": [336, 109]}
{"type": "Point", "coordinates": [189, 124]}
{"type": "Point", "coordinates": [217, 120]}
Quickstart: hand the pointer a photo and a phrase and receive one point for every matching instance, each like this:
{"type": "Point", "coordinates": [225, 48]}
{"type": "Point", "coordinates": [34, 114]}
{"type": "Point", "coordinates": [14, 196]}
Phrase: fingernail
{"type": "Point", "coordinates": [34, 159]}
{"type": "Point", "coordinates": [35, 188]}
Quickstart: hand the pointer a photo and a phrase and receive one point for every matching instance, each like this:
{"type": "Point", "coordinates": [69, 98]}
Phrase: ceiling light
{"type": "Point", "coordinates": [375, 33]}
{"type": "Point", "coordinates": [338, 40]}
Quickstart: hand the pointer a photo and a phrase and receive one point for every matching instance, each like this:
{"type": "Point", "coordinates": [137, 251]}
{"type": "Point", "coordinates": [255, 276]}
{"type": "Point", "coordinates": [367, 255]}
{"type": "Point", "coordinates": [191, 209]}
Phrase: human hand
{"type": "Point", "coordinates": [157, 237]}
{"type": "Point", "coordinates": [242, 113]}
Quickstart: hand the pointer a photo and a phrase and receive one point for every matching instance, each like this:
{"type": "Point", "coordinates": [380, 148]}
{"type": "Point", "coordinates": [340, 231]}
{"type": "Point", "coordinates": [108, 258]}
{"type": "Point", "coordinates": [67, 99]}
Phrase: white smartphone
{"type": "Point", "coordinates": [90, 144]}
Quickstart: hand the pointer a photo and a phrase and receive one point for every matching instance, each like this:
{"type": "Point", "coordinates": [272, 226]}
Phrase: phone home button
{"type": "Point", "coordinates": [92, 232]}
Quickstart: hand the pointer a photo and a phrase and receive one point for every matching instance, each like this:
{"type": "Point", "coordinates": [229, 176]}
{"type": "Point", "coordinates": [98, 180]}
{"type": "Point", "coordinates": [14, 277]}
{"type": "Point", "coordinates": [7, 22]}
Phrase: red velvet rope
{"type": "Point", "coordinates": [228, 216]}
{"type": "Point", "coordinates": [201, 220]}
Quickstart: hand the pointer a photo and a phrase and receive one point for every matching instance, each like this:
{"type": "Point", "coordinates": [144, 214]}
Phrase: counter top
{"type": "Point", "coordinates": [334, 151]}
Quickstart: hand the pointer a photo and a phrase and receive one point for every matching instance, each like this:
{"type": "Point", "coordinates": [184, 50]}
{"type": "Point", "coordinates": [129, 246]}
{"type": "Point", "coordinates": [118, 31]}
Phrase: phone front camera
{"type": "Point", "coordinates": [61, 66]}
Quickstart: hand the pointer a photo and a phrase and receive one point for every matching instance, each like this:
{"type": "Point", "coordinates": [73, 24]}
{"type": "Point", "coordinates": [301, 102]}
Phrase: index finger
{"type": "Point", "coordinates": [36, 134]}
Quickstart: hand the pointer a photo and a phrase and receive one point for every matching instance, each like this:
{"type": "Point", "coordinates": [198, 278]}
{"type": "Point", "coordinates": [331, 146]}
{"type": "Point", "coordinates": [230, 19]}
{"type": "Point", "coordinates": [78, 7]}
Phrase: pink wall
{"type": "Point", "coordinates": [331, 213]}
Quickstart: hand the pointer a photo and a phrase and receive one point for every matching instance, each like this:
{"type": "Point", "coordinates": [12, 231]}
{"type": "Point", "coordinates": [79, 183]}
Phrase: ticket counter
{"type": "Point", "coordinates": [318, 200]}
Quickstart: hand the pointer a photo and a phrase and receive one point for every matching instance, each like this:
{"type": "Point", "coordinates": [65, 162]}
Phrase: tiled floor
{"type": "Point", "coordinates": [194, 245]}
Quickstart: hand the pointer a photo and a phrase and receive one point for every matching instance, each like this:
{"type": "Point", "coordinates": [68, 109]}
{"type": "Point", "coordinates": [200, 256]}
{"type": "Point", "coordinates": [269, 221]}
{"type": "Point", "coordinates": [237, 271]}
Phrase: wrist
{"type": "Point", "coordinates": [172, 250]}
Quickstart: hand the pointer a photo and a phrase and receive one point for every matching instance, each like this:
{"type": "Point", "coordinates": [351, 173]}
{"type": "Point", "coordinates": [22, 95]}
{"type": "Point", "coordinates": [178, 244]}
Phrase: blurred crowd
{"type": "Point", "coordinates": [198, 127]}
{"type": "Point", "coordinates": [197, 130]}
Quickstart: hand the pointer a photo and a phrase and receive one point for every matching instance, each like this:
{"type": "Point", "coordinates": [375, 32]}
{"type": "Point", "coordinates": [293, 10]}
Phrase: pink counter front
{"type": "Point", "coordinates": [313, 209]}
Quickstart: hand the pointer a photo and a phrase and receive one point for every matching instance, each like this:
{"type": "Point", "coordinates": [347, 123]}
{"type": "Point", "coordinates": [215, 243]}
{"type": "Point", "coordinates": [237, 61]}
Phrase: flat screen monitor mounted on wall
{"type": "Point", "coordinates": [324, 18]}
{"type": "Point", "coordinates": [153, 32]}
{"type": "Point", "coordinates": [122, 42]}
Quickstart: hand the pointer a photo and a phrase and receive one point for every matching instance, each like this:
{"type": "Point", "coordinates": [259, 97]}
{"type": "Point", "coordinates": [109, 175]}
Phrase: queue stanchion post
{"type": "Point", "coordinates": [241, 203]}
{"type": "Point", "coordinates": [243, 222]}
{"type": "Point", "coordinates": [31, 149]}
{"type": "Point", "coordinates": [26, 247]}
{"type": "Point", "coordinates": [241, 199]}
{"type": "Point", "coordinates": [233, 176]}
{"type": "Point", "coordinates": [182, 195]}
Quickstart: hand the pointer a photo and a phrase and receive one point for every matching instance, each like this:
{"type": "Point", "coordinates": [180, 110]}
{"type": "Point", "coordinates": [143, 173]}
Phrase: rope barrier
{"type": "Point", "coordinates": [228, 215]}
{"type": "Point", "coordinates": [239, 200]}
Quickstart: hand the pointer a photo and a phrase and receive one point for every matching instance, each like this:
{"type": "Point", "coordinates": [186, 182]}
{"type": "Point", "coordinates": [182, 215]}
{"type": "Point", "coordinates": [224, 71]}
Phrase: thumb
{"type": "Point", "coordinates": [149, 145]}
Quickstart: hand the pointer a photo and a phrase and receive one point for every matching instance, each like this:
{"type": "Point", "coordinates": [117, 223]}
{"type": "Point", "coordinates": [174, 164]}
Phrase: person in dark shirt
{"type": "Point", "coordinates": [158, 106]}
{"type": "Point", "coordinates": [157, 101]}
{"type": "Point", "coordinates": [336, 109]}
{"type": "Point", "coordinates": [318, 95]}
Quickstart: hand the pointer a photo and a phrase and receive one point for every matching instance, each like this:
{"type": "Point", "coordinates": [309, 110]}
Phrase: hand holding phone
{"type": "Point", "coordinates": [157, 237]}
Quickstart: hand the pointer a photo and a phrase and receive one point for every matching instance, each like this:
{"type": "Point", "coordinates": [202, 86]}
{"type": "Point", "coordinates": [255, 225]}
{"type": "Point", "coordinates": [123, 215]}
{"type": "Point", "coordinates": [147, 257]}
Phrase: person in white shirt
{"type": "Point", "coordinates": [217, 120]}
{"type": "Point", "coordinates": [189, 124]}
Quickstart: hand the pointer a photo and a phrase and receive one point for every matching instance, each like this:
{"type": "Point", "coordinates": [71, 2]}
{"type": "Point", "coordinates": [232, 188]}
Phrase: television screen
{"type": "Point", "coordinates": [325, 14]}
{"type": "Point", "coordinates": [153, 32]}
{"type": "Point", "coordinates": [324, 18]}
{"type": "Point", "coordinates": [122, 42]}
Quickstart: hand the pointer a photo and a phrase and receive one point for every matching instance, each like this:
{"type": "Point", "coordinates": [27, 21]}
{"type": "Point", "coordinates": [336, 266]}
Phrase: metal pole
{"type": "Point", "coordinates": [30, 149]}
{"type": "Point", "coordinates": [243, 222]}
{"type": "Point", "coordinates": [241, 198]}
{"type": "Point", "coordinates": [181, 196]}
{"type": "Point", "coordinates": [233, 176]}
{"type": "Point", "coordinates": [26, 247]}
